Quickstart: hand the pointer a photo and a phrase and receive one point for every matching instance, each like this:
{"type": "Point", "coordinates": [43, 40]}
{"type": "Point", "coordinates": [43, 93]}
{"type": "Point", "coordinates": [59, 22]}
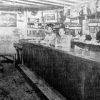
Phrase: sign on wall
{"type": "Point", "coordinates": [8, 20]}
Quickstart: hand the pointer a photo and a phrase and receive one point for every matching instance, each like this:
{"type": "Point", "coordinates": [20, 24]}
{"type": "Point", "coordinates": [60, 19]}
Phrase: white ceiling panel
{"type": "Point", "coordinates": [39, 4]}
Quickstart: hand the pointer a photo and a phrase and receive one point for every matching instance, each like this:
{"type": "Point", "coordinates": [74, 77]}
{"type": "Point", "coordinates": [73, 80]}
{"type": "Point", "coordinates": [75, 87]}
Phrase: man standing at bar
{"type": "Point", "coordinates": [50, 36]}
{"type": "Point", "coordinates": [63, 40]}
{"type": "Point", "coordinates": [98, 34]}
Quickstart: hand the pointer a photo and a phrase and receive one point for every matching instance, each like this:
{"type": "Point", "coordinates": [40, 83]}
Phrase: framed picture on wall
{"type": "Point", "coordinates": [50, 17]}
{"type": "Point", "coordinates": [8, 19]}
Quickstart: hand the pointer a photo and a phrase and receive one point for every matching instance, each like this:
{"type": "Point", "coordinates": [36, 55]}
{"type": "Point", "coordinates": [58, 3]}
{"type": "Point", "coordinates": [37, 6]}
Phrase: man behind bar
{"type": "Point", "coordinates": [98, 34]}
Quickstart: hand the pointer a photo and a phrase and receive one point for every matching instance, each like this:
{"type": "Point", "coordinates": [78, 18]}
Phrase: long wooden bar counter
{"type": "Point", "coordinates": [89, 45]}
{"type": "Point", "coordinates": [74, 75]}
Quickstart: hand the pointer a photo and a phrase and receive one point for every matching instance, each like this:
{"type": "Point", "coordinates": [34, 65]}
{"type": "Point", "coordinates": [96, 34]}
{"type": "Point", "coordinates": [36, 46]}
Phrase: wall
{"type": "Point", "coordinates": [10, 30]}
{"type": "Point", "coordinates": [22, 23]}
{"type": "Point", "coordinates": [6, 30]}
{"type": "Point", "coordinates": [8, 34]}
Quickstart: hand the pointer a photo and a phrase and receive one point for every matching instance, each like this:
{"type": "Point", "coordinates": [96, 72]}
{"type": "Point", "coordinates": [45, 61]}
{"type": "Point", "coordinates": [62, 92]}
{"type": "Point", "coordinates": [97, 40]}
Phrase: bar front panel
{"type": "Point", "coordinates": [74, 77]}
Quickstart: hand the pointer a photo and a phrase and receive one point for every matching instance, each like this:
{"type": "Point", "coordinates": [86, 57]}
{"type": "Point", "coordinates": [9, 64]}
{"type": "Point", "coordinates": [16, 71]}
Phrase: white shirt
{"type": "Point", "coordinates": [49, 38]}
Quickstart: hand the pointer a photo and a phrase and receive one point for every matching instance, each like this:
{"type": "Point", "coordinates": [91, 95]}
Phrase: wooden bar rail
{"type": "Point", "coordinates": [49, 92]}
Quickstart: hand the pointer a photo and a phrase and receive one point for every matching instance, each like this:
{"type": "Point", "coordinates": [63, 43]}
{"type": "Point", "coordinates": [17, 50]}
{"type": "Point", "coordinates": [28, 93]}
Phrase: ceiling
{"type": "Point", "coordinates": [38, 4]}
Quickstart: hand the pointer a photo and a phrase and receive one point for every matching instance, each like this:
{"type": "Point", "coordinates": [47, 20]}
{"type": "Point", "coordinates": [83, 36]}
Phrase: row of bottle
{"type": "Point", "coordinates": [32, 26]}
